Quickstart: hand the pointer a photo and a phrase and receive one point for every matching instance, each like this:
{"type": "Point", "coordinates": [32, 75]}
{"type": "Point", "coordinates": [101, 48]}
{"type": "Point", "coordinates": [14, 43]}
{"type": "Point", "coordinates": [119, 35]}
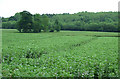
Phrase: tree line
{"type": "Point", "coordinates": [81, 21]}
{"type": "Point", "coordinates": [28, 23]}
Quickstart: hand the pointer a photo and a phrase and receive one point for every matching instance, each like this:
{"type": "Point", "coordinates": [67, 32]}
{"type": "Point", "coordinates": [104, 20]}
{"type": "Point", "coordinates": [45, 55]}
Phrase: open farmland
{"type": "Point", "coordinates": [61, 54]}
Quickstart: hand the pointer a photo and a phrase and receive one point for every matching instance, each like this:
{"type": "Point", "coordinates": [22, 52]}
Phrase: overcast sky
{"type": "Point", "coordinates": [10, 7]}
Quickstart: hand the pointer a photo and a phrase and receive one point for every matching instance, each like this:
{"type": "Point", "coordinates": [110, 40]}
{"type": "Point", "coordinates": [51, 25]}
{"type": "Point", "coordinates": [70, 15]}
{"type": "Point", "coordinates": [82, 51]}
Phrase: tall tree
{"type": "Point", "coordinates": [37, 23]}
{"type": "Point", "coordinates": [51, 27]}
{"type": "Point", "coordinates": [17, 16]}
{"type": "Point", "coordinates": [25, 24]}
{"type": "Point", "coordinates": [57, 25]}
{"type": "Point", "coordinates": [45, 22]}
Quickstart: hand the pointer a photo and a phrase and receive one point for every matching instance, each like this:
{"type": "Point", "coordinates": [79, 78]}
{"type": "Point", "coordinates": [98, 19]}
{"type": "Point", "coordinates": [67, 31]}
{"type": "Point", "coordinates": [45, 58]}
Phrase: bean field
{"type": "Point", "coordinates": [59, 54]}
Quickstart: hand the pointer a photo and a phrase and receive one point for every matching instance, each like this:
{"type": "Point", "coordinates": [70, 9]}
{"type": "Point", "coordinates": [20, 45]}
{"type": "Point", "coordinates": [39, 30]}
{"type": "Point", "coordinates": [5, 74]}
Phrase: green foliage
{"type": "Point", "coordinates": [81, 21]}
{"type": "Point", "coordinates": [9, 25]}
{"type": "Point", "coordinates": [45, 21]}
{"type": "Point", "coordinates": [37, 23]}
{"type": "Point", "coordinates": [29, 23]}
{"type": "Point", "coordinates": [60, 54]}
{"type": "Point", "coordinates": [84, 21]}
{"type": "Point", "coordinates": [4, 19]}
{"type": "Point", "coordinates": [51, 29]}
{"type": "Point", "coordinates": [25, 22]}
{"type": "Point", "coordinates": [57, 25]}
{"type": "Point", "coordinates": [17, 16]}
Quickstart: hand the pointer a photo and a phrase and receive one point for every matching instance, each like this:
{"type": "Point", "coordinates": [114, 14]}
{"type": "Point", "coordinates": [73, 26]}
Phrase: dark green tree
{"type": "Point", "coordinates": [51, 27]}
{"type": "Point", "coordinates": [37, 23]}
{"type": "Point", "coordinates": [17, 16]}
{"type": "Point", "coordinates": [25, 24]}
{"type": "Point", "coordinates": [57, 25]}
{"type": "Point", "coordinates": [45, 22]}
{"type": "Point", "coordinates": [4, 19]}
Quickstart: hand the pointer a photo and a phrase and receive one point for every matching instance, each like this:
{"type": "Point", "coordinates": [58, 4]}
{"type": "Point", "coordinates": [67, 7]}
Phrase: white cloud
{"type": "Point", "coordinates": [10, 7]}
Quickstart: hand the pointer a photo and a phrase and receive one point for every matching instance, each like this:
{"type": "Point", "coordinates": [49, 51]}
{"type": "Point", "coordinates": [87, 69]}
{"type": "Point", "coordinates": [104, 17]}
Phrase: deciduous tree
{"type": "Point", "coordinates": [25, 24]}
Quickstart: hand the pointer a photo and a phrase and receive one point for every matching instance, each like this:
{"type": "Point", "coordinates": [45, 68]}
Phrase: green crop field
{"type": "Point", "coordinates": [59, 54]}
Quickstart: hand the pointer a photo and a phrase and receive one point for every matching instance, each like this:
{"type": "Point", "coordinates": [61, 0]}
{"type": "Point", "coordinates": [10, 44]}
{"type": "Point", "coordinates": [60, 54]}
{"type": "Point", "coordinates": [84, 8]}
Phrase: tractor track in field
{"type": "Point", "coordinates": [90, 40]}
{"type": "Point", "coordinates": [83, 43]}
{"type": "Point", "coordinates": [104, 35]}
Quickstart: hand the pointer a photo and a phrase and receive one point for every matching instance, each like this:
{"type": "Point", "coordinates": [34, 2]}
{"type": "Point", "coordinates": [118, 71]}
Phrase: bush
{"type": "Point", "coordinates": [9, 25]}
{"type": "Point", "coordinates": [51, 30]}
